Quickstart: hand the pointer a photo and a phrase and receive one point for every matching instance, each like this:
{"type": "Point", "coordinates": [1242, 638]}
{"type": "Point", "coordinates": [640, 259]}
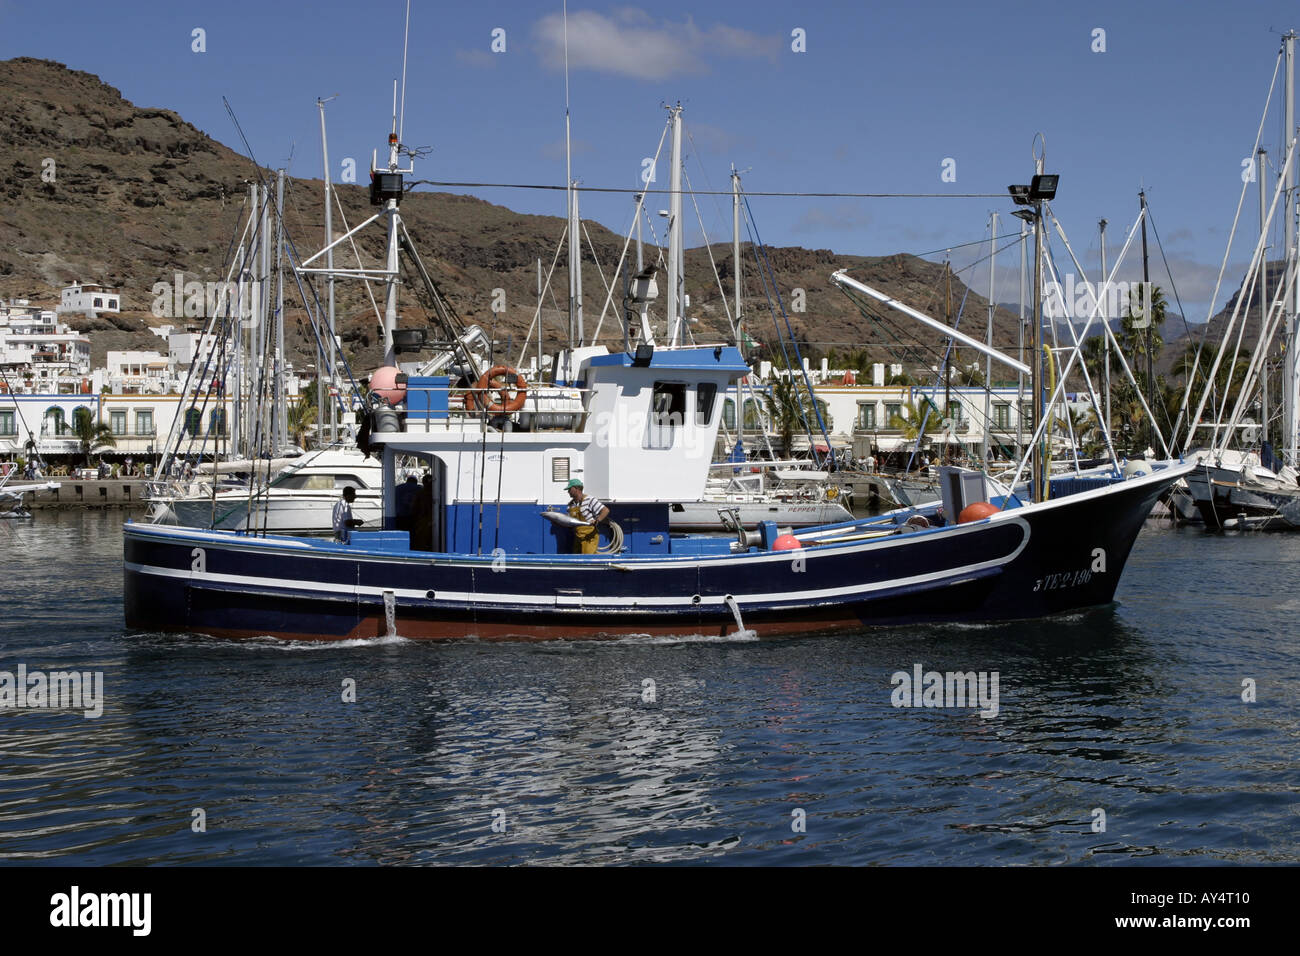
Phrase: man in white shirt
{"type": "Point", "coordinates": [343, 520]}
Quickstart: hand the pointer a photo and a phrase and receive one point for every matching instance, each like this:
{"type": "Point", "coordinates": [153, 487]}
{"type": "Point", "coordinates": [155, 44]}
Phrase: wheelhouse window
{"type": "Point", "coordinates": [667, 413]}
{"type": "Point", "coordinates": [705, 398]}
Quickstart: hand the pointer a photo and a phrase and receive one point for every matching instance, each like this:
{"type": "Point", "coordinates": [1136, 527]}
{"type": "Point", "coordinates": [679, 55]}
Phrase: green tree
{"type": "Point", "coordinates": [302, 415]}
{"type": "Point", "coordinates": [788, 409]}
{"type": "Point", "coordinates": [92, 435]}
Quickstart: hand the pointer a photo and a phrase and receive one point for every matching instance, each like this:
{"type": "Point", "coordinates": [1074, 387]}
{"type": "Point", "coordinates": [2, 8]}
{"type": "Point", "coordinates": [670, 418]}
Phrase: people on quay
{"type": "Point", "coordinates": [586, 508]}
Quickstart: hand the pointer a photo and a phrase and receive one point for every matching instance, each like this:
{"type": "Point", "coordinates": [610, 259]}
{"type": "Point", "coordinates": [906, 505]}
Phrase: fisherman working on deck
{"type": "Point", "coordinates": [343, 520]}
{"type": "Point", "coordinates": [588, 509]}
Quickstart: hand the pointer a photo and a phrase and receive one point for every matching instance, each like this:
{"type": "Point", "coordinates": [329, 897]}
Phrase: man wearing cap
{"type": "Point", "coordinates": [588, 509]}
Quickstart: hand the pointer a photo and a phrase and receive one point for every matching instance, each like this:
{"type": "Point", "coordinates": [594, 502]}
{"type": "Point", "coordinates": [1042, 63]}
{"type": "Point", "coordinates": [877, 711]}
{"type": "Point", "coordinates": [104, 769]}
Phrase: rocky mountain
{"type": "Point", "coordinates": [98, 189]}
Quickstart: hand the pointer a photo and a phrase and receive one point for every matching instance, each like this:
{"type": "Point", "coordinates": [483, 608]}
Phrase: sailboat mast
{"type": "Point", "coordinates": [988, 360]}
{"type": "Point", "coordinates": [1291, 373]}
{"type": "Point", "coordinates": [1105, 339]}
{"type": "Point", "coordinates": [1148, 302]}
{"type": "Point", "coordinates": [735, 251]}
{"type": "Point", "coordinates": [675, 245]}
{"type": "Point", "coordinates": [327, 354]}
{"type": "Point", "coordinates": [281, 398]}
{"type": "Point", "coordinates": [1261, 286]}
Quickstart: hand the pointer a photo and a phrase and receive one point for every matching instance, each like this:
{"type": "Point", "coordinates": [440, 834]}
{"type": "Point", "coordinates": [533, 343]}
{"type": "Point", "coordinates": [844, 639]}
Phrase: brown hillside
{"type": "Point", "coordinates": [139, 194]}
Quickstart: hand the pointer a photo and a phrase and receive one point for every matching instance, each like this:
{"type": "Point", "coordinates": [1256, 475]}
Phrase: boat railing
{"type": "Point", "coordinates": [541, 408]}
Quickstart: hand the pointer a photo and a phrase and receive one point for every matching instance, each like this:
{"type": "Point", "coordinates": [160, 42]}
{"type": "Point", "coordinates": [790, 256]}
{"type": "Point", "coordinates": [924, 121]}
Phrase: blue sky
{"type": "Point", "coordinates": [881, 96]}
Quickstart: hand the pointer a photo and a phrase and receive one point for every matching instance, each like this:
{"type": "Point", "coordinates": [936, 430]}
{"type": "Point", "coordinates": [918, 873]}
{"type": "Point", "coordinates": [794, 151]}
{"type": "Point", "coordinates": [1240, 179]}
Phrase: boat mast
{"type": "Point", "coordinates": [1261, 295]}
{"type": "Point", "coordinates": [988, 361]}
{"type": "Point", "coordinates": [675, 245]}
{"type": "Point", "coordinates": [1148, 303]}
{"type": "Point", "coordinates": [1039, 473]}
{"type": "Point", "coordinates": [326, 355]}
{"type": "Point", "coordinates": [736, 279]}
{"type": "Point", "coordinates": [1290, 372]}
{"type": "Point", "coordinates": [1105, 338]}
{"type": "Point", "coordinates": [390, 261]}
{"type": "Point", "coordinates": [281, 439]}
{"type": "Point", "coordinates": [1020, 377]}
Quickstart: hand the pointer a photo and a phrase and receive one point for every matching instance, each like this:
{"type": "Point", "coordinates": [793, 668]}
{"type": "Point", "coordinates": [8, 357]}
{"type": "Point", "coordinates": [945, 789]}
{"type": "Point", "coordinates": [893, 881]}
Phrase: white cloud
{"type": "Point", "coordinates": [631, 43]}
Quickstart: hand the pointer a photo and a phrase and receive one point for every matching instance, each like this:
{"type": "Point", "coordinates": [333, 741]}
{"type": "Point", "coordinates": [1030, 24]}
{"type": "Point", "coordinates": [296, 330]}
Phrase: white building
{"type": "Point", "coordinates": [138, 373]}
{"type": "Point", "coordinates": [38, 354]}
{"type": "Point", "coordinates": [90, 298]}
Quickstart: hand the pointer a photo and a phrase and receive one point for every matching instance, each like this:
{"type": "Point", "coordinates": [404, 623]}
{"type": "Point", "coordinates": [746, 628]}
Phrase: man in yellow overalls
{"type": "Point", "coordinates": [588, 509]}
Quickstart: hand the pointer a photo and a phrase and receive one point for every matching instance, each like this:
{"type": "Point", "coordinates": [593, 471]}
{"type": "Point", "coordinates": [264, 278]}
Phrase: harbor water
{"type": "Point", "coordinates": [1121, 735]}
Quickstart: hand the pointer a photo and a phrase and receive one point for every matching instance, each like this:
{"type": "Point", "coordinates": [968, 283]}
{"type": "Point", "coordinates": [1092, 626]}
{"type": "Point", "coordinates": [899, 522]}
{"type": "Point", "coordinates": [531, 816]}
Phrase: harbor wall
{"type": "Point", "coordinates": [73, 493]}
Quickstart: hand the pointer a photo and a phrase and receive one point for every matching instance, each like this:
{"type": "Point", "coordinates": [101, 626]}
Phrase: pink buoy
{"type": "Point", "coordinates": [384, 384]}
{"type": "Point", "coordinates": [786, 542]}
{"type": "Point", "coordinates": [976, 511]}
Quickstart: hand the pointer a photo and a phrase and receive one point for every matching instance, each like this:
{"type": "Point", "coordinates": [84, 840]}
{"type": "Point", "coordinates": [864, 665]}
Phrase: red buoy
{"type": "Point", "coordinates": [786, 542]}
{"type": "Point", "coordinates": [976, 512]}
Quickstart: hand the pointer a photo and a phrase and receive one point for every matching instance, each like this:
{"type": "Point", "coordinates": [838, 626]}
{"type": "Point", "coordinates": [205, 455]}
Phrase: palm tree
{"type": "Point", "coordinates": [911, 418]}
{"type": "Point", "coordinates": [91, 434]}
{"type": "Point", "coordinates": [788, 408]}
{"type": "Point", "coordinates": [302, 416]}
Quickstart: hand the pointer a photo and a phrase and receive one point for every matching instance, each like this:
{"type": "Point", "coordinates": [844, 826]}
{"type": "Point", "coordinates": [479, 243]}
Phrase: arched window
{"type": "Point", "coordinates": [54, 422]}
{"type": "Point", "coordinates": [193, 420]}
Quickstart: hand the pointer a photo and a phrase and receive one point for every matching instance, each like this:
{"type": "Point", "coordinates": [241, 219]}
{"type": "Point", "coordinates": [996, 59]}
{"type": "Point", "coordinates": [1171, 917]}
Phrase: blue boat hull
{"type": "Point", "coordinates": [1023, 563]}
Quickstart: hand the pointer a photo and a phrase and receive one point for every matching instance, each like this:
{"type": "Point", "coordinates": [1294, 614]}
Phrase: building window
{"type": "Point", "coordinates": [117, 421]}
{"type": "Point", "coordinates": [705, 397]}
{"type": "Point", "coordinates": [866, 415]}
{"type": "Point", "coordinates": [954, 412]}
{"type": "Point", "coordinates": [217, 421]}
{"type": "Point", "coordinates": [7, 426]}
{"type": "Point", "coordinates": [1027, 414]}
{"type": "Point", "coordinates": [112, 303]}
{"type": "Point", "coordinates": [99, 303]}
{"type": "Point", "coordinates": [893, 410]}
{"type": "Point", "coordinates": [144, 423]}
{"type": "Point", "coordinates": [55, 424]}
{"type": "Point", "coordinates": [1002, 415]}
{"type": "Point", "coordinates": [193, 420]}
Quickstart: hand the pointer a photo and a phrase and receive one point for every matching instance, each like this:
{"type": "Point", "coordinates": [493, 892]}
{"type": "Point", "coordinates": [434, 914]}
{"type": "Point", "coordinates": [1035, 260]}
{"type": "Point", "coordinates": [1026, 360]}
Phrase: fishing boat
{"type": "Point", "coordinates": [501, 569]}
{"type": "Point", "coordinates": [492, 553]}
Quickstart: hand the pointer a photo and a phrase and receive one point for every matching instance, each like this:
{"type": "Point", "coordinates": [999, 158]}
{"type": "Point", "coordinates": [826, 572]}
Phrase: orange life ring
{"type": "Point", "coordinates": [476, 398]}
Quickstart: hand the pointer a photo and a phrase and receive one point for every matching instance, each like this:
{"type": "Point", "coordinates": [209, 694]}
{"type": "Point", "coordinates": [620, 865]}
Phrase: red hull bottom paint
{"type": "Point", "coordinates": [375, 627]}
